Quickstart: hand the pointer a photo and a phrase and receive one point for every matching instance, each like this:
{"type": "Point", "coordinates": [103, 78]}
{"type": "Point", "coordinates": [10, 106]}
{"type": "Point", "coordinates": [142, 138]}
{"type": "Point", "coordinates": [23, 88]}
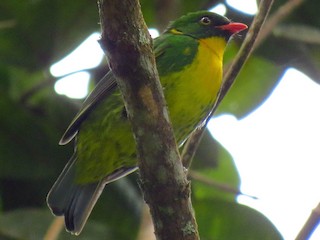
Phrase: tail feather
{"type": "Point", "coordinates": [74, 201]}
{"type": "Point", "coordinates": [83, 200]}
{"type": "Point", "coordinates": [59, 195]}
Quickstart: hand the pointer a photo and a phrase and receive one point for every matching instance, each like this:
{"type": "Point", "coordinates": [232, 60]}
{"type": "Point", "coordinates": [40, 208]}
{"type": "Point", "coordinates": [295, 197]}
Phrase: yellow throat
{"type": "Point", "coordinates": [196, 86]}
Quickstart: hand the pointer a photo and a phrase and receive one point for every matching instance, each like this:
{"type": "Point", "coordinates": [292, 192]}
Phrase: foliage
{"type": "Point", "coordinates": [35, 34]}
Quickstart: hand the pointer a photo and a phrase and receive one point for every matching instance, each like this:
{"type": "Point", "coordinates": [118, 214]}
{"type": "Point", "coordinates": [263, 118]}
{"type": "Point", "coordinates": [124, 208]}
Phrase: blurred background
{"type": "Point", "coordinates": [256, 172]}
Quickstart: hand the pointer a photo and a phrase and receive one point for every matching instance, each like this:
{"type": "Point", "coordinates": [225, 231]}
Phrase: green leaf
{"type": "Point", "coordinates": [287, 53]}
{"type": "Point", "coordinates": [44, 31]}
{"type": "Point", "coordinates": [119, 207]}
{"type": "Point", "coordinates": [29, 139]}
{"type": "Point", "coordinates": [215, 163]}
{"type": "Point", "coordinates": [32, 224]}
{"type": "Point", "coordinates": [253, 85]}
{"type": "Point", "coordinates": [224, 220]}
{"type": "Point", "coordinates": [207, 153]}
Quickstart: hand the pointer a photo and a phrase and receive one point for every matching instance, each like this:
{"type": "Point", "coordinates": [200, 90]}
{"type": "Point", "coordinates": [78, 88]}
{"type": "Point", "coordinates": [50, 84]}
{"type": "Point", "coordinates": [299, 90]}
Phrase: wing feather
{"type": "Point", "coordinates": [106, 86]}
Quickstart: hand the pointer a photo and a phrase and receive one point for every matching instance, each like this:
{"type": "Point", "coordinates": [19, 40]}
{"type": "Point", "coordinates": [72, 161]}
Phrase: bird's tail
{"type": "Point", "coordinates": [74, 202]}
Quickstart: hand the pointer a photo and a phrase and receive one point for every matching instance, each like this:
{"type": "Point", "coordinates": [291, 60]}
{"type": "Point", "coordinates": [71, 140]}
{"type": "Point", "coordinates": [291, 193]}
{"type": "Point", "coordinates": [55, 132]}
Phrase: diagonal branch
{"type": "Point", "coordinates": [245, 50]}
{"type": "Point", "coordinates": [274, 19]}
{"type": "Point", "coordinates": [311, 224]}
{"type": "Point", "coordinates": [215, 184]}
{"type": "Point", "coordinates": [127, 45]}
{"type": "Point", "coordinates": [229, 77]}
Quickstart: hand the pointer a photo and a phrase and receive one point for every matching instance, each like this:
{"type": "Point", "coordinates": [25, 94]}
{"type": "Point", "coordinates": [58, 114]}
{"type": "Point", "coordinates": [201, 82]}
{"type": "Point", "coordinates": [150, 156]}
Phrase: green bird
{"type": "Point", "coordinates": [189, 58]}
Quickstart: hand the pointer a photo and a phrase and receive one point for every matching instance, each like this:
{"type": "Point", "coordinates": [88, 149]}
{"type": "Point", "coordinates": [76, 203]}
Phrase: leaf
{"type": "Point", "coordinates": [213, 161]}
{"type": "Point", "coordinates": [32, 224]}
{"type": "Point", "coordinates": [29, 139]}
{"type": "Point", "coordinates": [224, 220]}
{"type": "Point", "coordinates": [307, 13]}
{"type": "Point", "coordinates": [207, 152]}
{"type": "Point", "coordinates": [253, 85]}
{"type": "Point", "coordinates": [290, 53]}
{"type": "Point", "coordinates": [120, 203]}
{"type": "Point", "coordinates": [44, 31]}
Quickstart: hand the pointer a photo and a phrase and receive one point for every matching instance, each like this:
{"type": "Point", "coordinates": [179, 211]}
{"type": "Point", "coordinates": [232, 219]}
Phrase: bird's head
{"type": "Point", "coordinates": [205, 24]}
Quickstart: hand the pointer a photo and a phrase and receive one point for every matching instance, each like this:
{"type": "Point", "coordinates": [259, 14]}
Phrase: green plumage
{"type": "Point", "coordinates": [171, 55]}
{"type": "Point", "coordinates": [190, 72]}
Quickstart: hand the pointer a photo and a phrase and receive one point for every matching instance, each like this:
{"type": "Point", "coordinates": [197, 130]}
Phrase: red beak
{"type": "Point", "coordinates": [233, 27]}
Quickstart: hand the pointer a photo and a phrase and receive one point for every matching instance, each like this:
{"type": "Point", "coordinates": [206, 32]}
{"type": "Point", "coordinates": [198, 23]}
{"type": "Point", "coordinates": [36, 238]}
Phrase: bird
{"type": "Point", "coordinates": [189, 59]}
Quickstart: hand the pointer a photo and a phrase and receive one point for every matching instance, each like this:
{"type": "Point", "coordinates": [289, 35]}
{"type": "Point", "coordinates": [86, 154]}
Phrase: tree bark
{"type": "Point", "coordinates": [127, 44]}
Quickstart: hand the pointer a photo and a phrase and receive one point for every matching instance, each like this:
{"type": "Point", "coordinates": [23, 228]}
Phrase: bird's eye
{"type": "Point", "coordinates": [205, 21]}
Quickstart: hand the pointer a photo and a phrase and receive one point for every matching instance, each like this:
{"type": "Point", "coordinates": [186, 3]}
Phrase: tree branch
{"type": "Point", "coordinates": [215, 184]}
{"type": "Point", "coordinates": [274, 19]}
{"type": "Point", "coordinates": [229, 77]}
{"type": "Point", "coordinates": [245, 50]}
{"type": "Point", "coordinates": [146, 229]}
{"type": "Point", "coordinates": [127, 45]}
{"type": "Point", "coordinates": [311, 224]}
{"type": "Point", "coordinates": [54, 229]}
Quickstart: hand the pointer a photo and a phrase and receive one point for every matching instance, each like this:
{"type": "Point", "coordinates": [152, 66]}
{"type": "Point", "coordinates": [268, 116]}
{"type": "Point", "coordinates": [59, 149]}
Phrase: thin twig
{"type": "Point", "coordinates": [54, 229]}
{"type": "Point", "coordinates": [218, 185]}
{"type": "Point", "coordinates": [4, 24]}
{"type": "Point", "coordinates": [191, 146]}
{"type": "Point", "coordinates": [282, 12]}
{"type": "Point", "coordinates": [311, 224]}
{"type": "Point", "coordinates": [146, 229]}
{"type": "Point", "coordinates": [245, 50]}
{"type": "Point", "coordinates": [230, 76]}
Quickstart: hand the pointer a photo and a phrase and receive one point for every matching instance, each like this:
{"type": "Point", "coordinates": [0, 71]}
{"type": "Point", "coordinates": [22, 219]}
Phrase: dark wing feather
{"type": "Point", "coordinates": [105, 87]}
{"type": "Point", "coordinates": [76, 201]}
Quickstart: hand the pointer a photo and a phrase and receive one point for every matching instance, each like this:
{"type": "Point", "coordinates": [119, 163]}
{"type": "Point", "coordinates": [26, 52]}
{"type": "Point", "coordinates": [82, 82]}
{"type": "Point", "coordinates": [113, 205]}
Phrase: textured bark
{"type": "Point", "coordinates": [127, 45]}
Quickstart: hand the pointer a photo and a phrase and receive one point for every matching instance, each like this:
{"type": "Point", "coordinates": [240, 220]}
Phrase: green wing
{"type": "Point", "coordinates": [106, 86]}
{"type": "Point", "coordinates": [174, 53]}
